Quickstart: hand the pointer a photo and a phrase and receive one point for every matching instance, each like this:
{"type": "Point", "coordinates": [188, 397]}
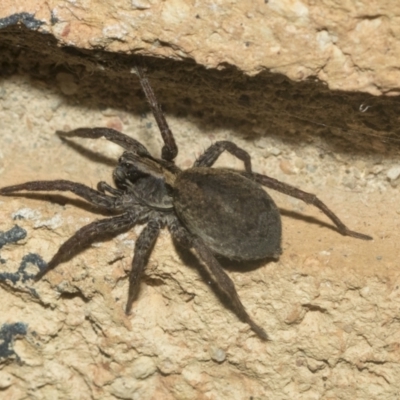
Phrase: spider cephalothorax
{"type": "Point", "coordinates": [214, 212]}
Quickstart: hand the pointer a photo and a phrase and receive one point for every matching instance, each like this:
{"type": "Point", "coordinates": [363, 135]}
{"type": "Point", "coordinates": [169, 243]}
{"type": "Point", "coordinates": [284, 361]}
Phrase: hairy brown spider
{"type": "Point", "coordinates": [212, 211]}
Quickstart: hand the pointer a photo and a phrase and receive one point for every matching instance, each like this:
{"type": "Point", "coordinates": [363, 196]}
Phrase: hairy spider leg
{"type": "Point", "coordinates": [170, 149]}
{"type": "Point", "coordinates": [112, 135]}
{"type": "Point", "coordinates": [92, 196]}
{"type": "Point", "coordinates": [308, 198]}
{"type": "Point", "coordinates": [104, 187]}
{"type": "Point", "coordinates": [87, 235]}
{"type": "Point", "coordinates": [143, 246]}
{"type": "Point", "coordinates": [215, 270]}
{"type": "Point", "coordinates": [210, 155]}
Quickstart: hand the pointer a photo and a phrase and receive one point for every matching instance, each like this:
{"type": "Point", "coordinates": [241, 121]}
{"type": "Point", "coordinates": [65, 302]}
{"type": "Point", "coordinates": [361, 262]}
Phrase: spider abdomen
{"type": "Point", "coordinates": [232, 214]}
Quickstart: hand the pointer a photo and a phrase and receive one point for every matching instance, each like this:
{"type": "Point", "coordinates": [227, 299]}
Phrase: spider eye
{"type": "Point", "coordinates": [134, 174]}
{"type": "Point", "coordinates": [127, 174]}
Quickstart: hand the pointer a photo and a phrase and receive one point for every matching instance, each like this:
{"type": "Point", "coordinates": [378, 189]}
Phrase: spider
{"type": "Point", "coordinates": [214, 212]}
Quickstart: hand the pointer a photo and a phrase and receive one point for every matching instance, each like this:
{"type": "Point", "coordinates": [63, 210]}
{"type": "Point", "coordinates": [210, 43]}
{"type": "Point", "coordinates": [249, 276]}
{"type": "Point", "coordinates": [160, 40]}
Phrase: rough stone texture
{"type": "Point", "coordinates": [330, 304]}
{"type": "Point", "coordinates": [330, 40]}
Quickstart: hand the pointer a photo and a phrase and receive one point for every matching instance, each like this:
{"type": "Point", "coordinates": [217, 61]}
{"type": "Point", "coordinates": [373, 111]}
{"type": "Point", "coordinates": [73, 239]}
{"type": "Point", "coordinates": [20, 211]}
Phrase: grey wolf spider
{"type": "Point", "coordinates": [215, 212]}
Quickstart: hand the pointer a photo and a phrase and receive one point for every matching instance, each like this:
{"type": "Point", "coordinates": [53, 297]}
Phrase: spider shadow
{"type": "Point", "coordinates": [307, 218]}
{"type": "Point", "coordinates": [63, 200]}
{"type": "Point", "coordinates": [192, 261]}
{"type": "Point", "coordinates": [89, 154]}
{"type": "Point", "coordinates": [189, 259]}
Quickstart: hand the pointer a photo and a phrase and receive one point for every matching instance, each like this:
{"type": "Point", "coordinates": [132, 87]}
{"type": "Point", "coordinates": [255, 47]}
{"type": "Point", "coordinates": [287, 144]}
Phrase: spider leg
{"type": "Point", "coordinates": [143, 247]}
{"type": "Point", "coordinates": [92, 196]}
{"type": "Point", "coordinates": [214, 268]}
{"type": "Point", "coordinates": [208, 158]}
{"type": "Point", "coordinates": [308, 198]}
{"type": "Point", "coordinates": [112, 135]}
{"type": "Point", "coordinates": [88, 234]}
{"type": "Point", "coordinates": [104, 187]}
{"type": "Point", "coordinates": [169, 150]}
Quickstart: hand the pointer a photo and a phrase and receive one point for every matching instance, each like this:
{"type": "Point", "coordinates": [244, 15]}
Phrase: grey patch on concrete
{"type": "Point", "coordinates": [8, 332]}
{"type": "Point", "coordinates": [21, 18]}
{"type": "Point", "coordinates": [11, 236]}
